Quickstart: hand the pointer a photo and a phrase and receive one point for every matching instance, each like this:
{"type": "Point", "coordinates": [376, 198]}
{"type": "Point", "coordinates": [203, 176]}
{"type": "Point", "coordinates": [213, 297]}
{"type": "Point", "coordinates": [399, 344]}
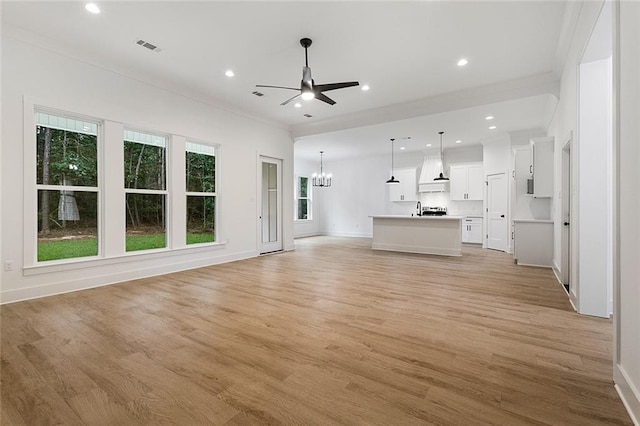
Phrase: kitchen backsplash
{"type": "Point", "coordinates": [455, 208]}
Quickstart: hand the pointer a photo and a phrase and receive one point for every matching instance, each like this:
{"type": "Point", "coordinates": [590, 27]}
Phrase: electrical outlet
{"type": "Point", "coordinates": [8, 265]}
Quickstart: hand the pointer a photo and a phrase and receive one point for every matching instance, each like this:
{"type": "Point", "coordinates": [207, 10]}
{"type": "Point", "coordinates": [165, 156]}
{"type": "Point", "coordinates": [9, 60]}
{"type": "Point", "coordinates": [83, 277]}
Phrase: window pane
{"type": "Point", "coordinates": [302, 209]}
{"type": "Point", "coordinates": [145, 221]}
{"type": "Point", "coordinates": [145, 163]}
{"type": "Point", "coordinates": [67, 224]}
{"type": "Point", "coordinates": [304, 186]}
{"type": "Point", "coordinates": [67, 157]}
{"type": "Point", "coordinates": [201, 219]}
{"type": "Point", "coordinates": [201, 172]}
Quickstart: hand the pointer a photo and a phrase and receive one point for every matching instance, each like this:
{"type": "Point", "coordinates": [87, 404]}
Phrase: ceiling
{"type": "Point", "coordinates": [406, 51]}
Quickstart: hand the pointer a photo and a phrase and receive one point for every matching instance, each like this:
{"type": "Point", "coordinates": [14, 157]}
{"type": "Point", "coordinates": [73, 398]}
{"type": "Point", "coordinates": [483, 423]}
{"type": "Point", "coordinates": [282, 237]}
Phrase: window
{"type": "Point", "coordinates": [303, 199]}
{"type": "Point", "coordinates": [67, 186]}
{"type": "Point", "coordinates": [145, 165]}
{"type": "Point", "coordinates": [200, 169]}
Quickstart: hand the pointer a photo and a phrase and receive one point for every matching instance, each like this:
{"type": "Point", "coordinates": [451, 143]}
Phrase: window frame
{"type": "Point", "coordinates": [31, 185]}
{"type": "Point", "coordinates": [164, 192]}
{"type": "Point", "coordinates": [214, 194]}
{"type": "Point", "coordinates": [111, 219]}
{"type": "Point", "coordinates": [297, 197]}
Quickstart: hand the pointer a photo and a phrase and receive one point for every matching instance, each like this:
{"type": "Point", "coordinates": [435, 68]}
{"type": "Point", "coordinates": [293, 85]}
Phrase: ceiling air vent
{"type": "Point", "coordinates": [308, 115]}
{"type": "Point", "coordinates": [148, 45]}
{"type": "Point", "coordinates": [258, 94]}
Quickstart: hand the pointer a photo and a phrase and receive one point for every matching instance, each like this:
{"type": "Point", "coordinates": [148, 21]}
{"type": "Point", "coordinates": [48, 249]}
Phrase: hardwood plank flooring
{"type": "Point", "coordinates": [332, 333]}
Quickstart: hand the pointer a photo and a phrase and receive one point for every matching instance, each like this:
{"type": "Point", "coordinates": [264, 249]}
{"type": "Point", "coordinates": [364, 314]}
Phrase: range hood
{"type": "Point", "coordinates": [431, 170]}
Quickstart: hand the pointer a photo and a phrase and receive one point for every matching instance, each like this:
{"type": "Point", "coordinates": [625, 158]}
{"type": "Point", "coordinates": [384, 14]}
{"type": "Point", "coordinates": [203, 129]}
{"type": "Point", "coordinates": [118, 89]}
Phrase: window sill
{"type": "Point", "coordinates": [302, 220]}
{"type": "Point", "coordinates": [92, 262]}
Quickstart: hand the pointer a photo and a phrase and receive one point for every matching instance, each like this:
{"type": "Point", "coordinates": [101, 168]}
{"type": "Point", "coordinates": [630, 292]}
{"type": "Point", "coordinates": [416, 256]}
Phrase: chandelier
{"type": "Point", "coordinates": [321, 179]}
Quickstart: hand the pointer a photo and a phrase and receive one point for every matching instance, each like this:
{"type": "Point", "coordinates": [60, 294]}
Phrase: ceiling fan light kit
{"type": "Point", "coordinates": [308, 88]}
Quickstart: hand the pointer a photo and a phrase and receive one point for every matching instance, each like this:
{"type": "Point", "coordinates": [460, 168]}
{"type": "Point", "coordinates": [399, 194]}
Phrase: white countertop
{"type": "Point", "coordinates": [533, 220]}
{"type": "Point", "coordinates": [399, 216]}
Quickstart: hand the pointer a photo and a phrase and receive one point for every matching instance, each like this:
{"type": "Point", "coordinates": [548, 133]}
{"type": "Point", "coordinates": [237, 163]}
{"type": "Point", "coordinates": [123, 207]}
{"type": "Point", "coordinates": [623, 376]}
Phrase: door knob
{"type": "Point", "coordinates": [566, 224]}
{"type": "Point", "coordinates": [501, 215]}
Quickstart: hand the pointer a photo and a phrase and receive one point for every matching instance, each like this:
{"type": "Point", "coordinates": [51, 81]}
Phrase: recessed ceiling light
{"type": "Point", "coordinates": [92, 7]}
{"type": "Point", "coordinates": [458, 141]}
{"type": "Point", "coordinates": [402, 147]}
{"type": "Point", "coordinates": [489, 117]}
{"type": "Point", "coordinates": [492, 127]}
{"type": "Point", "coordinates": [462, 62]}
{"type": "Point", "coordinates": [365, 87]}
{"type": "Point", "coordinates": [428, 145]}
{"type": "Point", "coordinates": [297, 105]}
{"type": "Point", "coordinates": [229, 73]}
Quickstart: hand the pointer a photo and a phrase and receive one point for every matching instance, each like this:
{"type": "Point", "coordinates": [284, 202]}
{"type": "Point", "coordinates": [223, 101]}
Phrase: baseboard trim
{"type": "Point", "coordinates": [629, 395]}
{"type": "Point", "coordinates": [348, 234]}
{"type": "Point", "coordinates": [536, 266]}
{"type": "Point", "coordinates": [556, 272]}
{"type": "Point", "coordinates": [62, 287]}
{"type": "Point", "coordinates": [308, 234]}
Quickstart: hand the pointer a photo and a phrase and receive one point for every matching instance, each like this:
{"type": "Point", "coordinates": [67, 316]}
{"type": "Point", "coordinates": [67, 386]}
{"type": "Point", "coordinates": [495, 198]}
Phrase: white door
{"type": "Point", "coordinates": [271, 205]}
{"type": "Point", "coordinates": [497, 211]}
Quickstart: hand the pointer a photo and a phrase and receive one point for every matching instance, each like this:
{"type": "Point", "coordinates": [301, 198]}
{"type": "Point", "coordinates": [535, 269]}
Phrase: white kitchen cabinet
{"type": "Point", "coordinates": [542, 167]}
{"type": "Point", "coordinates": [466, 182]}
{"type": "Point", "coordinates": [472, 229]}
{"type": "Point", "coordinates": [406, 190]}
{"type": "Point", "coordinates": [533, 242]}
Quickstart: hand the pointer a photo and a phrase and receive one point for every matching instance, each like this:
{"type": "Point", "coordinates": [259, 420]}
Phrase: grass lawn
{"type": "Point", "coordinates": [146, 242]}
{"type": "Point", "coordinates": [199, 238]}
{"type": "Point", "coordinates": [67, 249]}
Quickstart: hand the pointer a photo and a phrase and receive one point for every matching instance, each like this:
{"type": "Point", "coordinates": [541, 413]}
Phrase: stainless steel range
{"type": "Point", "coordinates": [434, 211]}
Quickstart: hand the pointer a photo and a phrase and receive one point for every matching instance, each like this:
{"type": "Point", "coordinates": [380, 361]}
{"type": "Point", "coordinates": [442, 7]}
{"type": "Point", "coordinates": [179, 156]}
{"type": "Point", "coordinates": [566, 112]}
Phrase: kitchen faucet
{"type": "Point", "coordinates": [419, 207]}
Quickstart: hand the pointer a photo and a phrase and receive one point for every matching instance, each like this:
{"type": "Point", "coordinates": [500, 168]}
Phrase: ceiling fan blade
{"type": "Point", "coordinates": [324, 98]}
{"type": "Point", "coordinates": [290, 99]}
{"type": "Point", "coordinates": [334, 86]}
{"type": "Point", "coordinates": [279, 87]}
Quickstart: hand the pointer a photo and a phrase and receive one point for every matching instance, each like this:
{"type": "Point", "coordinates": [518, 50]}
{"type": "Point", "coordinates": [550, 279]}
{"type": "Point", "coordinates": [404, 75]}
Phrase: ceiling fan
{"type": "Point", "coordinates": [308, 89]}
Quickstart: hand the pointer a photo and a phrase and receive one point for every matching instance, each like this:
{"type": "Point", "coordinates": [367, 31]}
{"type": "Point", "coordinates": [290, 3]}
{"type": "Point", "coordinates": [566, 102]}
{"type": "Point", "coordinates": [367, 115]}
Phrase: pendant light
{"type": "Point", "coordinates": [441, 176]}
{"type": "Point", "coordinates": [393, 179]}
{"type": "Point", "coordinates": [321, 179]}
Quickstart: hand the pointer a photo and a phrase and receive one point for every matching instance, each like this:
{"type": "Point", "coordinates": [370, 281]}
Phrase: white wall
{"type": "Point", "coordinates": [565, 122]}
{"type": "Point", "coordinates": [594, 186]}
{"type": "Point", "coordinates": [358, 191]}
{"type": "Point", "coordinates": [627, 288]}
{"type": "Point", "coordinates": [67, 84]}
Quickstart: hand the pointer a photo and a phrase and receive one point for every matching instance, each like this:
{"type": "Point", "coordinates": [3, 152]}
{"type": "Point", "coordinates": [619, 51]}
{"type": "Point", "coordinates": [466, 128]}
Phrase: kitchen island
{"type": "Point", "coordinates": [441, 235]}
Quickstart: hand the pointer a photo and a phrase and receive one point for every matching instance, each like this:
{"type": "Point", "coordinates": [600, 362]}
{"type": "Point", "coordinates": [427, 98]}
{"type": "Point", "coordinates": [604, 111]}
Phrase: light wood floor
{"type": "Point", "coordinates": [333, 333]}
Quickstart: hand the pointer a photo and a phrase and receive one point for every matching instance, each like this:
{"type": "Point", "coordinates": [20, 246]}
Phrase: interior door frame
{"type": "Point", "coordinates": [566, 214]}
{"type": "Point", "coordinates": [279, 206]}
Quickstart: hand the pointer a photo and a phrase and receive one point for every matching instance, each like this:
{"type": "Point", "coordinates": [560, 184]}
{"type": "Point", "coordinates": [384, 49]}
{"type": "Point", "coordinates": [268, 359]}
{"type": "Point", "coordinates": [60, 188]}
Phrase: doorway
{"type": "Point", "coordinates": [497, 211]}
{"type": "Point", "coordinates": [270, 205]}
